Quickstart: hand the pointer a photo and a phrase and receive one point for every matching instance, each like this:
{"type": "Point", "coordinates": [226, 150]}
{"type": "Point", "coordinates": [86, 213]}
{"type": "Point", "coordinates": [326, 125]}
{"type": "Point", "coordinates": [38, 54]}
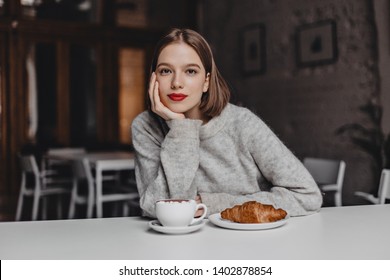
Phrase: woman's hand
{"type": "Point", "coordinates": [199, 212]}
{"type": "Point", "coordinates": [198, 199]}
{"type": "Point", "coordinates": [156, 104]}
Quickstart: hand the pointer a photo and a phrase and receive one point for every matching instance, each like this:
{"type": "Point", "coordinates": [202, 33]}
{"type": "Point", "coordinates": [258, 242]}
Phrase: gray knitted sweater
{"type": "Point", "coordinates": [233, 158]}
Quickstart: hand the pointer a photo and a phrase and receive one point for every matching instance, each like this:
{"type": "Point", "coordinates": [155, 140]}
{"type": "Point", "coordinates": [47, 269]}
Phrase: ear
{"type": "Point", "coordinates": [206, 83]}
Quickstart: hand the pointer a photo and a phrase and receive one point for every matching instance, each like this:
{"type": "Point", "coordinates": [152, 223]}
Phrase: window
{"type": "Point", "coordinates": [131, 89]}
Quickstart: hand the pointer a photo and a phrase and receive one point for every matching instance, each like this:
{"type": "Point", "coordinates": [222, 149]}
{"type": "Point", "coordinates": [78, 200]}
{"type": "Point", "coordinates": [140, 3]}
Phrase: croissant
{"type": "Point", "coordinates": [253, 212]}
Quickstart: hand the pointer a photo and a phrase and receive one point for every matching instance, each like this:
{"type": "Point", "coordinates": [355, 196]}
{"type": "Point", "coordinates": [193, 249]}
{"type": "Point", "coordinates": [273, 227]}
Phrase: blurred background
{"type": "Point", "coordinates": [74, 73]}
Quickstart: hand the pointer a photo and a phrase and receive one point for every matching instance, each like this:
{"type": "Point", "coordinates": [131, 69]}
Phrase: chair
{"type": "Point", "coordinates": [383, 191]}
{"type": "Point", "coordinates": [328, 174]}
{"type": "Point", "coordinates": [37, 184]}
{"type": "Point", "coordinates": [82, 173]}
{"type": "Point", "coordinates": [114, 192]}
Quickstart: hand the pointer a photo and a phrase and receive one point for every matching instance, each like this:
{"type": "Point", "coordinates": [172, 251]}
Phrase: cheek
{"type": "Point", "coordinates": [163, 97]}
{"type": "Point", "coordinates": [197, 85]}
{"type": "Point", "coordinates": [163, 85]}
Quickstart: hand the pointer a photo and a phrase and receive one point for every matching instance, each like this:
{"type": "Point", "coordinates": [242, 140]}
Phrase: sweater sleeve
{"type": "Point", "coordinates": [165, 166]}
{"type": "Point", "coordinates": [292, 187]}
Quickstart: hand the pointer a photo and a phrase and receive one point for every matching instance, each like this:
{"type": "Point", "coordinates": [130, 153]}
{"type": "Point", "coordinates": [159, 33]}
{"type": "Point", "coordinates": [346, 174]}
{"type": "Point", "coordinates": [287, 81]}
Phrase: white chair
{"type": "Point", "coordinates": [383, 191]}
{"type": "Point", "coordinates": [114, 192]}
{"type": "Point", "coordinates": [37, 184]}
{"type": "Point", "coordinates": [328, 174]}
{"type": "Point", "coordinates": [82, 174]}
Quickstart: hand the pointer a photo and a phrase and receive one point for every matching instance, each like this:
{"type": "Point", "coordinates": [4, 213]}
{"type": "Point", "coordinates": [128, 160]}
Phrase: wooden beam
{"type": "Point", "coordinates": [63, 94]}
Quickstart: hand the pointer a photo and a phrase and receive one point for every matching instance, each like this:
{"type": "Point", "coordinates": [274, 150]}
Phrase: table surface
{"type": "Point", "coordinates": [352, 232]}
{"type": "Point", "coordinates": [94, 156]}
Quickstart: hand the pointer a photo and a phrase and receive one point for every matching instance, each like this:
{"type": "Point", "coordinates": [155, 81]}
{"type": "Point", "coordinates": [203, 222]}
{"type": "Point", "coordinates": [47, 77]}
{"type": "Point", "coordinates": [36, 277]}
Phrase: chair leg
{"type": "Point", "coordinates": [72, 210]}
{"type": "Point", "coordinates": [44, 208]}
{"type": "Point", "coordinates": [89, 210]}
{"type": "Point", "coordinates": [126, 209]}
{"type": "Point", "coordinates": [72, 204]}
{"type": "Point", "coordinates": [90, 201]}
{"type": "Point", "coordinates": [98, 201]}
{"type": "Point", "coordinates": [35, 206]}
{"type": "Point", "coordinates": [19, 207]}
{"type": "Point", "coordinates": [337, 199]}
{"type": "Point", "coordinates": [20, 199]}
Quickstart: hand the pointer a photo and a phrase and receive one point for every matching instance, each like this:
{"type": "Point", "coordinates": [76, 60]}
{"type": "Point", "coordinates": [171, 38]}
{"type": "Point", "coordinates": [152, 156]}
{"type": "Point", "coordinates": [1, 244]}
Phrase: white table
{"type": "Point", "coordinates": [113, 161]}
{"type": "Point", "coordinates": [101, 161]}
{"type": "Point", "coordinates": [354, 232]}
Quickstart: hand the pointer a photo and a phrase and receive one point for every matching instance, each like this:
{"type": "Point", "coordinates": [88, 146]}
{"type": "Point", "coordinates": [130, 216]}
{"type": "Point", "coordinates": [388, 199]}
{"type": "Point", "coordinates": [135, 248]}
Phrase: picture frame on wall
{"type": "Point", "coordinates": [316, 44]}
{"type": "Point", "coordinates": [253, 49]}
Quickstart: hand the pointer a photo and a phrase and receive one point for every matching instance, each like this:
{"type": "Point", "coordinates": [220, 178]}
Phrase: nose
{"type": "Point", "coordinates": [176, 82]}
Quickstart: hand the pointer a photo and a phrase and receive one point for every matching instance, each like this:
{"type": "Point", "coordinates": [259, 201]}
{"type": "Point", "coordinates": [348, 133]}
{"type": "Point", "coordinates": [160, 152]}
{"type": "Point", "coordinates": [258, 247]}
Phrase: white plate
{"type": "Point", "coordinates": [218, 221]}
{"type": "Point", "coordinates": [155, 224]}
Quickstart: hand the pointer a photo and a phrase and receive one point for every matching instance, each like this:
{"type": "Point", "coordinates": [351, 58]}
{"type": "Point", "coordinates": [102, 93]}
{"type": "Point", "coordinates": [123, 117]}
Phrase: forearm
{"type": "Point", "coordinates": [180, 157]}
{"type": "Point", "coordinates": [150, 190]}
{"type": "Point", "coordinates": [296, 204]}
{"type": "Point", "coordinates": [166, 170]}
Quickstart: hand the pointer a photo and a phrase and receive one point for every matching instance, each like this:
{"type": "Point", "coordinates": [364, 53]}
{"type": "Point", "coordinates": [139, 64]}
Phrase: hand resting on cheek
{"type": "Point", "coordinates": [156, 105]}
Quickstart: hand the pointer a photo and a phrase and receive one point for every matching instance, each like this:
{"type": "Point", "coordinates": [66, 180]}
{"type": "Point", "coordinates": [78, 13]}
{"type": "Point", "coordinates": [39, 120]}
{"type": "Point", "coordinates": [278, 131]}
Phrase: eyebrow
{"type": "Point", "coordinates": [187, 65]}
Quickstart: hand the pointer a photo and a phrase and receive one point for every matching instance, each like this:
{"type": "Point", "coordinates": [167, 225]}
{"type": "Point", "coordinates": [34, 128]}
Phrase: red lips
{"type": "Point", "coordinates": [177, 96]}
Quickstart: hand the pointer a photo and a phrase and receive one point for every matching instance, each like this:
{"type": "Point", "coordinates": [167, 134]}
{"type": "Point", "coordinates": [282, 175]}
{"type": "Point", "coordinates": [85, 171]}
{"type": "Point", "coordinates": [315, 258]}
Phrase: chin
{"type": "Point", "coordinates": [177, 108]}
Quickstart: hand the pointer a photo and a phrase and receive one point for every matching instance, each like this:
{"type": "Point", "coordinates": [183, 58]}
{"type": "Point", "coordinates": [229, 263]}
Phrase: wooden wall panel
{"type": "Point", "coordinates": [63, 95]}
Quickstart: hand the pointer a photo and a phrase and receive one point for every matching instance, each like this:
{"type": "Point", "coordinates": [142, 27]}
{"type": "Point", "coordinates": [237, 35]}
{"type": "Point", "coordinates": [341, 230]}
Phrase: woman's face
{"type": "Point", "coordinates": [182, 79]}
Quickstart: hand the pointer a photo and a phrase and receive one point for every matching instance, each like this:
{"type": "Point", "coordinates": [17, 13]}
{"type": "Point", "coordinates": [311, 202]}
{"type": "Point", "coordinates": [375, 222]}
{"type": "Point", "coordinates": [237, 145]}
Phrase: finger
{"type": "Point", "coordinates": [151, 82]}
{"type": "Point", "coordinates": [159, 107]}
{"type": "Point", "coordinates": [151, 89]}
{"type": "Point", "coordinates": [156, 97]}
{"type": "Point", "coordinates": [198, 213]}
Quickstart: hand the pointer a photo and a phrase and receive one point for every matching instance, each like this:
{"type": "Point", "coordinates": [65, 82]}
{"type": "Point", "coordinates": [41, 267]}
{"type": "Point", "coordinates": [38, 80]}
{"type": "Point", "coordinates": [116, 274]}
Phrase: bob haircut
{"type": "Point", "coordinates": [218, 94]}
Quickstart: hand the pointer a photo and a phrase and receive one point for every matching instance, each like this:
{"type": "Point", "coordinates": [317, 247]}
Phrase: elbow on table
{"type": "Point", "coordinates": [307, 204]}
{"type": "Point", "coordinates": [314, 203]}
{"type": "Point", "coordinates": [317, 202]}
{"type": "Point", "coordinates": [148, 209]}
{"type": "Point", "coordinates": [147, 213]}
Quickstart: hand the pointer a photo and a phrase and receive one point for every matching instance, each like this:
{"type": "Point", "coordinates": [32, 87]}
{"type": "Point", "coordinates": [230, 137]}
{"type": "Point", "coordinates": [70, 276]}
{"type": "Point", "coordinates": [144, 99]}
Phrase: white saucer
{"type": "Point", "coordinates": [155, 224]}
{"type": "Point", "coordinates": [218, 221]}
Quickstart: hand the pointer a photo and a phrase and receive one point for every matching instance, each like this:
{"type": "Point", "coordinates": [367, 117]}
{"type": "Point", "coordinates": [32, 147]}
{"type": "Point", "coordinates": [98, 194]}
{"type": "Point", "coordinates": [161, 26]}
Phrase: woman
{"type": "Point", "coordinates": [193, 144]}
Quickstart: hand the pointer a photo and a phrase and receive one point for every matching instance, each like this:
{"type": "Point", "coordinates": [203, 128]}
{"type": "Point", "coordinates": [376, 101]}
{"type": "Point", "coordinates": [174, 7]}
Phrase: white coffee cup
{"type": "Point", "coordinates": [178, 212]}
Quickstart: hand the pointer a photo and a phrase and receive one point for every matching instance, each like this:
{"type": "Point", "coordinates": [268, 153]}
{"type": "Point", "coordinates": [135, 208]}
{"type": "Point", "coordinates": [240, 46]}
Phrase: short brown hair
{"type": "Point", "coordinates": [218, 94]}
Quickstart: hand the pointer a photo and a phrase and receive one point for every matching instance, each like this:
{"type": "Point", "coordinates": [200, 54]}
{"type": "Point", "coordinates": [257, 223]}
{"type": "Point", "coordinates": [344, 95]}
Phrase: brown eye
{"type": "Point", "coordinates": [192, 72]}
{"type": "Point", "coordinates": [165, 71]}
